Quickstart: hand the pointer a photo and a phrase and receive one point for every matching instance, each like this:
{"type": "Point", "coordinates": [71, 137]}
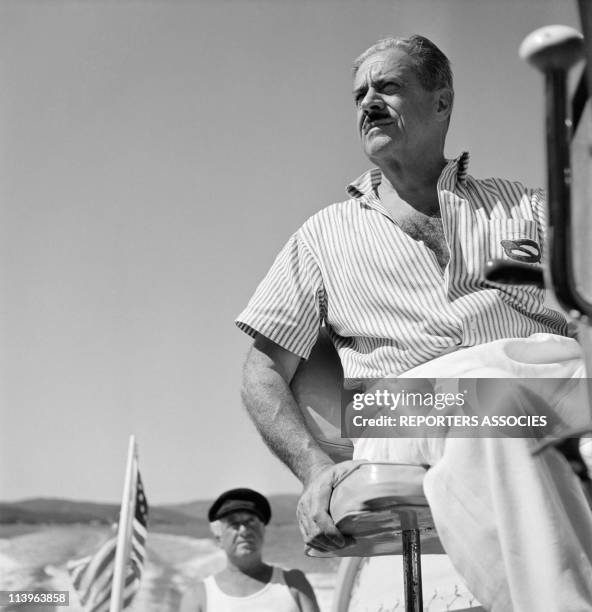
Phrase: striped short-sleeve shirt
{"type": "Point", "coordinates": [382, 294]}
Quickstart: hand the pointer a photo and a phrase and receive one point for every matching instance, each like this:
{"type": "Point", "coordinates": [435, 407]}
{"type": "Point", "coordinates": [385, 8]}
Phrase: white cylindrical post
{"type": "Point", "coordinates": [124, 531]}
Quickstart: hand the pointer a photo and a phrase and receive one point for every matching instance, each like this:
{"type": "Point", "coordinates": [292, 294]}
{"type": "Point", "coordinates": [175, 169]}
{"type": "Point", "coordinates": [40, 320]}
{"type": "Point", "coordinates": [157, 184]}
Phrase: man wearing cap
{"type": "Point", "coordinates": [238, 519]}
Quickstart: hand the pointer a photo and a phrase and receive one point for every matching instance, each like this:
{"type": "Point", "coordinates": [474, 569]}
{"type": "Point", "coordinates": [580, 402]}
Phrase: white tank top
{"type": "Point", "coordinates": [275, 596]}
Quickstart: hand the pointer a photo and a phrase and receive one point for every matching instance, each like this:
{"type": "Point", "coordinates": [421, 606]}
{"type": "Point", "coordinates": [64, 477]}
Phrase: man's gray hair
{"type": "Point", "coordinates": [433, 67]}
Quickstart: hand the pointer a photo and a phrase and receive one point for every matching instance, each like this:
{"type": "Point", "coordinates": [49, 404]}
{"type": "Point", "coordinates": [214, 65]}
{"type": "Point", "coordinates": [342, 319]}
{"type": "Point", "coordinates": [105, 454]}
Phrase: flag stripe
{"type": "Point", "coordinates": [92, 576]}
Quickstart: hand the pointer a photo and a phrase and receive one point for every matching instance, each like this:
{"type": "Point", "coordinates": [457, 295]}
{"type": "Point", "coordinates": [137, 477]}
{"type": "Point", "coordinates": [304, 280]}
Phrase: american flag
{"type": "Point", "coordinates": [92, 576]}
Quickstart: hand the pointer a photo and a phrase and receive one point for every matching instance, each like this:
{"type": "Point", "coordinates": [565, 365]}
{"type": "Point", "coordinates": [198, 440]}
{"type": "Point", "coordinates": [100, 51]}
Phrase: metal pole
{"type": "Point", "coordinates": [411, 561]}
{"type": "Point", "coordinates": [559, 181]}
{"type": "Point", "coordinates": [412, 570]}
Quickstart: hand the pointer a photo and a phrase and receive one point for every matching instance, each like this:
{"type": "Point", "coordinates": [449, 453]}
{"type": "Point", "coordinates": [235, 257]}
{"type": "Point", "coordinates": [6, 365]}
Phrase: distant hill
{"type": "Point", "coordinates": [47, 510]}
{"type": "Point", "coordinates": [283, 508]}
{"type": "Point", "coordinates": [188, 518]}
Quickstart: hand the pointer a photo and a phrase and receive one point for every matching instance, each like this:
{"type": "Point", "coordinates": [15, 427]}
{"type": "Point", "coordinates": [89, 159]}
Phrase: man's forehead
{"type": "Point", "coordinates": [239, 515]}
{"type": "Point", "coordinates": [390, 62]}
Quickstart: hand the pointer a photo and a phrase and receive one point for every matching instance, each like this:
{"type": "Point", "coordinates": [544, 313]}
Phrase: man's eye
{"type": "Point", "coordinates": [390, 88]}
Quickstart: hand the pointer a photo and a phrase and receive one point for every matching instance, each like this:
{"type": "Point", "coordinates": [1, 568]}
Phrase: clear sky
{"type": "Point", "coordinates": [154, 157]}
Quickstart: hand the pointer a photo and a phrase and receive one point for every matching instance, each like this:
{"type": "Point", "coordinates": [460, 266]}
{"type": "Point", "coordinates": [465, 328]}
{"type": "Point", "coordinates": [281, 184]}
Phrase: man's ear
{"type": "Point", "coordinates": [216, 528]}
{"type": "Point", "coordinates": [444, 100]}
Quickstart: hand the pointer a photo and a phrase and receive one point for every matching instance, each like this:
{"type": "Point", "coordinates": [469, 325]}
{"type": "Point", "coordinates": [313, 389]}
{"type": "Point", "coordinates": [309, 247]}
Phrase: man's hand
{"type": "Point", "coordinates": [316, 525]}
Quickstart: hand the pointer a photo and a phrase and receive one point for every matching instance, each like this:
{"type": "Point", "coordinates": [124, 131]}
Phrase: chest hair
{"type": "Point", "coordinates": [423, 227]}
{"type": "Point", "coordinates": [429, 230]}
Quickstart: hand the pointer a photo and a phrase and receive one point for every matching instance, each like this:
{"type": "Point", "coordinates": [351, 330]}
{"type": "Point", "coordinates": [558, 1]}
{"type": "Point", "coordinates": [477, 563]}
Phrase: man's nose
{"type": "Point", "coordinates": [372, 101]}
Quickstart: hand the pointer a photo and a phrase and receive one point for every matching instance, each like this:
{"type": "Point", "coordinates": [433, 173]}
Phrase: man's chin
{"type": "Point", "coordinates": [377, 146]}
{"type": "Point", "coordinates": [246, 549]}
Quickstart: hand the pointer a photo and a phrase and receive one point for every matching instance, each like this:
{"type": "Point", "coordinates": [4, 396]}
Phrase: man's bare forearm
{"type": "Point", "coordinates": [267, 396]}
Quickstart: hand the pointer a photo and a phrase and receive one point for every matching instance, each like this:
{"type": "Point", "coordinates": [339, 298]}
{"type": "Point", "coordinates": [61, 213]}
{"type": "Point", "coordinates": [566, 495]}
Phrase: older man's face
{"type": "Point", "coordinates": [395, 113]}
{"type": "Point", "coordinates": [241, 534]}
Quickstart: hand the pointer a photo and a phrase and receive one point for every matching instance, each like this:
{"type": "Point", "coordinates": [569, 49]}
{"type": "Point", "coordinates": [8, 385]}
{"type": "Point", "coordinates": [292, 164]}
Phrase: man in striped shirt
{"type": "Point", "coordinates": [396, 275]}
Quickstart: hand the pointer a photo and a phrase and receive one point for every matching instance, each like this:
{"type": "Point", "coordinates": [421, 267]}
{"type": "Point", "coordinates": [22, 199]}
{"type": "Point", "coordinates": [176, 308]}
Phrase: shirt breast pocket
{"type": "Point", "coordinates": [514, 240]}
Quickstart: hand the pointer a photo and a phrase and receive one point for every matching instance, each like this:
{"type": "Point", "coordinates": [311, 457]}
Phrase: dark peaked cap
{"type": "Point", "coordinates": [240, 500]}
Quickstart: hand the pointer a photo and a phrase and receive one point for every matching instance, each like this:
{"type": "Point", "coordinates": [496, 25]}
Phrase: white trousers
{"type": "Point", "coordinates": [515, 525]}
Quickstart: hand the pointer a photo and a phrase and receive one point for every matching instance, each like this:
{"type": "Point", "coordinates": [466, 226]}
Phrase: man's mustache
{"type": "Point", "coordinates": [374, 116]}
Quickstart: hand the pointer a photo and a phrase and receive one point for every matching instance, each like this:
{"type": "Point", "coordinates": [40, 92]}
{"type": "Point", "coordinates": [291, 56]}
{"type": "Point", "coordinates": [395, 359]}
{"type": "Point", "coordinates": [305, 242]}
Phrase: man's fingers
{"type": "Point", "coordinates": [317, 526]}
{"type": "Point", "coordinates": [318, 530]}
{"type": "Point", "coordinates": [323, 537]}
{"type": "Point", "coordinates": [325, 533]}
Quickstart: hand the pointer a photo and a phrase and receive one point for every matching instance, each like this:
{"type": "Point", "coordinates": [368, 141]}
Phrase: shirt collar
{"type": "Point", "coordinates": [455, 171]}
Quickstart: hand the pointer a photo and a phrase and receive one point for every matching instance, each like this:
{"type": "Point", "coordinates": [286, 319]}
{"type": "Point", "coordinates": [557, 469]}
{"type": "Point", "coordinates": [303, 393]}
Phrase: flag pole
{"type": "Point", "coordinates": [124, 531]}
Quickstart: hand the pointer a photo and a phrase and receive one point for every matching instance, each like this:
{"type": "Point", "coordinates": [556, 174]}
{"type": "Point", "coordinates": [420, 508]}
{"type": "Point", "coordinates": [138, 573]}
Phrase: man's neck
{"type": "Point", "coordinates": [243, 579]}
{"type": "Point", "coordinates": [254, 568]}
{"type": "Point", "coordinates": [413, 181]}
